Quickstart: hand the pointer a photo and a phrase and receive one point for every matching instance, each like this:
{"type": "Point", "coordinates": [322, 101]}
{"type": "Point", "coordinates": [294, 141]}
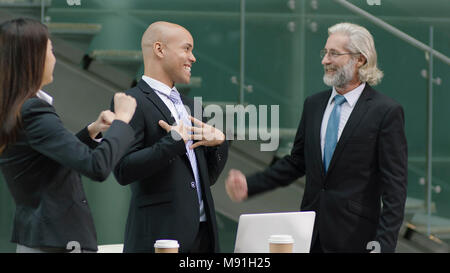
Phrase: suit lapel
{"type": "Point", "coordinates": [156, 100]}
{"type": "Point", "coordinates": [190, 105]}
{"type": "Point", "coordinates": [161, 106]}
{"type": "Point", "coordinates": [361, 107]}
{"type": "Point", "coordinates": [199, 151]}
{"type": "Point", "coordinates": [318, 116]}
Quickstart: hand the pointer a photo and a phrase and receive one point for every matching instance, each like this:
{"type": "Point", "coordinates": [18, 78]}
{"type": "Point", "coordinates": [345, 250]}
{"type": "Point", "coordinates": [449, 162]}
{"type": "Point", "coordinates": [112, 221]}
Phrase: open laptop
{"type": "Point", "coordinates": [254, 230]}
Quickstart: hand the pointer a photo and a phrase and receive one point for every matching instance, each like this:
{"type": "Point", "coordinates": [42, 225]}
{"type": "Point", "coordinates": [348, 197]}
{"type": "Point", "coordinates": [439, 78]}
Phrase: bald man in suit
{"type": "Point", "coordinates": [175, 158]}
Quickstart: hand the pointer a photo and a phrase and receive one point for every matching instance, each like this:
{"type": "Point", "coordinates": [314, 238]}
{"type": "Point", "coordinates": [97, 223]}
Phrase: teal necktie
{"type": "Point", "coordinates": [332, 131]}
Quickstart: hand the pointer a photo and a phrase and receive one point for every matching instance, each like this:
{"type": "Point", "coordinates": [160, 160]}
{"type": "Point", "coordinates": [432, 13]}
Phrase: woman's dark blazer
{"type": "Point", "coordinates": [43, 171]}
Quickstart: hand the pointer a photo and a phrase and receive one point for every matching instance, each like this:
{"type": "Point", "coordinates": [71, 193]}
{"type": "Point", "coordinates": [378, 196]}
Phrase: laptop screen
{"type": "Point", "coordinates": [254, 230]}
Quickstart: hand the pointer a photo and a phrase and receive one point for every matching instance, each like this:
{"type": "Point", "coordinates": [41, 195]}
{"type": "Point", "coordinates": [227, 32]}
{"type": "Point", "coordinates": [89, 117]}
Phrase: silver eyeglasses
{"type": "Point", "coordinates": [334, 54]}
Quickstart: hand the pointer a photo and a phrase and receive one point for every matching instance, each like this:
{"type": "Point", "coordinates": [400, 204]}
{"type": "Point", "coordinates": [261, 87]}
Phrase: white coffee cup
{"type": "Point", "coordinates": [166, 246]}
{"type": "Point", "coordinates": [281, 243]}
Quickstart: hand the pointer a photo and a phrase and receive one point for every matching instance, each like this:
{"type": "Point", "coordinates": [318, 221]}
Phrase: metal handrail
{"type": "Point", "coordinates": [400, 34]}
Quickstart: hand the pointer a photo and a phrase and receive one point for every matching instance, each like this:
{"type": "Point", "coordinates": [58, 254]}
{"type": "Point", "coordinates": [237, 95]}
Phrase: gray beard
{"type": "Point", "coordinates": [342, 76]}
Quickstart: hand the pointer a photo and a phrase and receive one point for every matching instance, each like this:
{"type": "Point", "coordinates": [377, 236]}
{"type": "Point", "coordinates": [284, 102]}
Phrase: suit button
{"type": "Point", "coordinates": [193, 185]}
{"type": "Point", "coordinates": [84, 201]}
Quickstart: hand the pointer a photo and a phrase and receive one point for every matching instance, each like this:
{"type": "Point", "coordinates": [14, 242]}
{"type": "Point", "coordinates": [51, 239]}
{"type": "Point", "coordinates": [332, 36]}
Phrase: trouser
{"type": "Point", "coordinates": [202, 243]}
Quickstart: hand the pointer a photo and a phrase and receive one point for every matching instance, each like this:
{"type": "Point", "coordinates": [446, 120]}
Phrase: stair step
{"type": "Point", "coordinates": [439, 226]}
{"type": "Point", "coordinates": [134, 56]}
{"type": "Point", "coordinates": [24, 3]}
{"type": "Point", "coordinates": [74, 28]}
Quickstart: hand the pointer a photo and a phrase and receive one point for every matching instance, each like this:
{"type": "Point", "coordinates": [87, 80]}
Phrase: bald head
{"type": "Point", "coordinates": [167, 51]}
{"type": "Point", "coordinates": [158, 32]}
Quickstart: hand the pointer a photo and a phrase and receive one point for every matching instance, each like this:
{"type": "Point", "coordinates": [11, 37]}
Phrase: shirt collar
{"type": "Point", "coordinates": [158, 86]}
{"type": "Point", "coordinates": [45, 97]}
{"type": "Point", "coordinates": [352, 96]}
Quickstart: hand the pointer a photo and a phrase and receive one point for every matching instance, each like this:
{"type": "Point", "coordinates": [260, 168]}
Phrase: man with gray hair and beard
{"type": "Point", "coordinates": [351, 146]}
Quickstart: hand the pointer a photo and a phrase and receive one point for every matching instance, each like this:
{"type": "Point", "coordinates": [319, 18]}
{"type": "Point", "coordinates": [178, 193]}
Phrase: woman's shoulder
{"type": "Point", "coordinates": [35, 109]}
{"type": "Point", "coordinates": [35, 104]}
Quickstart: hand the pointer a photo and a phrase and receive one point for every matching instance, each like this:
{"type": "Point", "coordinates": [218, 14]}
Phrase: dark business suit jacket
{"type": "Point", "coordinates": [164, 205]}
{"type": "Point", "coordinates": [42, 170]}
{"type": "Point", "coordinates": [369, 165]}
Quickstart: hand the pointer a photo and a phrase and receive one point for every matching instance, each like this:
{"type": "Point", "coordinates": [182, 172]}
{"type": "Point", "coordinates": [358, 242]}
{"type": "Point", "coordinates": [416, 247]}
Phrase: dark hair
{"type": "Point", "coordinates": [23, 48]}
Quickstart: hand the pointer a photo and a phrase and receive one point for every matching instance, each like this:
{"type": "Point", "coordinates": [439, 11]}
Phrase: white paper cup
{"type": "Point", "coordinates": [281, 243]}
{"type": "Point", "coordinates": [166, 246]}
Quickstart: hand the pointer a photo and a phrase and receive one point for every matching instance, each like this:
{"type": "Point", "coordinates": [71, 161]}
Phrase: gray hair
{"type": "Point", "coordinates": [360, 40]}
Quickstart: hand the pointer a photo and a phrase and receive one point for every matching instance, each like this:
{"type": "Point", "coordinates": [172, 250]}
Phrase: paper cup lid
{"type": "Point", "coordinates": [281, 239]}
{"type": "Point", "coordinates": [167, 244]}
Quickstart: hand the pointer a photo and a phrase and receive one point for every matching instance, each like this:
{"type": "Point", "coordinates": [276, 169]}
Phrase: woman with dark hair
{"type": "Point", "coordinates": [40, 159]}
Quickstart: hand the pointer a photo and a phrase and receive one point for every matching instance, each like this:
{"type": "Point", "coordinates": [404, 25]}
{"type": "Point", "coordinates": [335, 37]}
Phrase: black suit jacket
{"type": "Point", "coordinates": [42, 170]}
{"type": "Point", "coordinates": [369, 165]}
{"type": "Point", "coordinates": [163, 204]}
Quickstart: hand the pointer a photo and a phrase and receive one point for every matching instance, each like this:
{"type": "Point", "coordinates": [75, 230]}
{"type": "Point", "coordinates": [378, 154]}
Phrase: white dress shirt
{"type": "Point", "coordinates": [351, 98]}
{"type": "Point", "coordinates": [45, 97]}
{"type": "Point", "coordinates": [164, 94]}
